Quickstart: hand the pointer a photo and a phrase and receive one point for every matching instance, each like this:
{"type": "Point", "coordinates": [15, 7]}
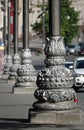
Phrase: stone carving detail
{"type": "Point", "coordinates": [14, 67]}
{"type": "Point", "coordinates": [8, 64]}
{"type": "Point", "coordinates": [55, 82]}
{"type": "Point", "coordinates": [55, 47]}
{"type": "Point", "coordinates": [26, 72]}
{"type": "Point", "coordinates": [54, 96]}
{"type": "Point", "coordinates": [55, 77]}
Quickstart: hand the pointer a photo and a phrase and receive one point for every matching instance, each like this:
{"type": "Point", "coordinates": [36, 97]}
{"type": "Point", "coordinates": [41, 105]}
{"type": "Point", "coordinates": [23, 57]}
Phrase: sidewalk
{"type": "Point", "coordinates": [14, 112]}
{"type": "Point", "coordinates": [14, 108]}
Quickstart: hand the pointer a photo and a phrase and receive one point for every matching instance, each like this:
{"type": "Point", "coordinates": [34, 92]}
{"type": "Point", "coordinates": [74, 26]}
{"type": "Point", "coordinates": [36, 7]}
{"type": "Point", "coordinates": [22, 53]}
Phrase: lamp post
{"type": "Point", "coordinates": [26, 73]}
{"type": "Point", "coordinates": [54, 93]}
{"type": "Point", "coordinates": [25, 24]}
{"type": "Point", "coordinates": [8, 62]}
{"type": "Point", "coordinates": [3, 51]}
{"type": "Point", "coordinates": [54, 18]}
{"type": "Point", "coordinates": [3, 8]}
{"type": "Point", "coordinates": [16, 57]}
{"type": "Point", "coordinates": [44, 33]}
{"type": "Point", "coordinates": [4, 27]}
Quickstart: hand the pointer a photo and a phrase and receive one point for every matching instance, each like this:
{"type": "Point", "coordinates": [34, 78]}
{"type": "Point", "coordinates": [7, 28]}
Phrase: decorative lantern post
{"type": "Point", "coordinates": [4, 30]}
{"type": "Point", "coordinates": [55, 95]}
{"type": "Point", "coordinates": [16, 57]}
{"type": "Point", "coordinates": [8, 61]}
{"type": "Point", "coordinates": [26, 80]}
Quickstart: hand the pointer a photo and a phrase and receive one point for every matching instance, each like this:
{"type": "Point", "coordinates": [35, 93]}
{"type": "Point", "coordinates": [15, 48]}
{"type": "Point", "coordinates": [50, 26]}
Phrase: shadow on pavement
{"type": "Point", "coordinates": [21, 124]}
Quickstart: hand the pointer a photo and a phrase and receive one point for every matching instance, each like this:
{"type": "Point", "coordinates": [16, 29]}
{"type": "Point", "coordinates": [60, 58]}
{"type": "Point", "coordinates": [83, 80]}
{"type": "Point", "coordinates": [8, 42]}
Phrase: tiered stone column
{"type": "Point", "coordinates": [56, 99]}
{"type": "Point", "coordinates": [16, 57]}
{"type": "Point", "coordinates": [26, 80]}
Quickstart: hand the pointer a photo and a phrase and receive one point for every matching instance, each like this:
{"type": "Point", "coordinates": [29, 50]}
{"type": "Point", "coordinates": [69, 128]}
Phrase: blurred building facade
{"type": "Point", "coordinates": [34, 13]}
{"type": "Point", "coordinates": [79, 6]}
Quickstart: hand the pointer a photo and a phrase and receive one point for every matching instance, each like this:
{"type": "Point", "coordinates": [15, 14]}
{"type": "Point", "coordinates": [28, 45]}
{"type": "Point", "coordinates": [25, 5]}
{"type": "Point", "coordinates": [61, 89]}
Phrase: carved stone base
{"type": "Point", "coordinates": [11, 81]}
{"type": "Point", "coordinates": [67, 105]}
{"type": "Point", "coordinates": [69, 117]}
{"type": "Point", "coordinates": [23, 90]}
{"type": "Point", "coordinates": [5, 76]}
{"type": "Point", "coordinates": [26, 75]}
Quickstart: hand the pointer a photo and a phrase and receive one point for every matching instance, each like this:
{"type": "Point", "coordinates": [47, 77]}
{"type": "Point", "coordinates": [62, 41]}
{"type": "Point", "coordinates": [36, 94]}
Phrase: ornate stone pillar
{"type": "Point", "coordinates": [13, 69]}
{"type": "Point", "coordinates": [26, 79]}
{"type": "Point", "coordinates": [8, 59]}
{"type": "Point", "coordinates": [55, 96]}
{"type": "Point", "coordinates": [55, 81]}
{"type": "Point", "coordinates": [7, 65]}
{"type": "Point", "coordinates": [16, 57]}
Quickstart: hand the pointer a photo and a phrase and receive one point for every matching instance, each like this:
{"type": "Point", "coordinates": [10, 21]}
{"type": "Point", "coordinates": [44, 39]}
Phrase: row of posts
{"type": "Point", "coordinates": [52, 86]}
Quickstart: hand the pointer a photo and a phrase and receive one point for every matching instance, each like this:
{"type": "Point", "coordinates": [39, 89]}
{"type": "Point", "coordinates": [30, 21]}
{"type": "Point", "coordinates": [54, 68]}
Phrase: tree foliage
{"type": "Point", "coordinates": [69, 19]}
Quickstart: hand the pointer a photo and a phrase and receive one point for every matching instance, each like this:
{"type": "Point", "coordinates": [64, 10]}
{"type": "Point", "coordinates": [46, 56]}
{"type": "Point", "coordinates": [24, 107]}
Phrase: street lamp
{"type": "Point", "coordinates": [54, 93]}
{"type": "Point", "coordinates": [26, 73]}
{"type": "Point", "coordinates": [8, 62]}
{"type": "Point", "coordinates": [3, 8]}
{"type": "Point", "coordinates": [16, 57]}
{"type": "Point", "coordinates": [44, 31]}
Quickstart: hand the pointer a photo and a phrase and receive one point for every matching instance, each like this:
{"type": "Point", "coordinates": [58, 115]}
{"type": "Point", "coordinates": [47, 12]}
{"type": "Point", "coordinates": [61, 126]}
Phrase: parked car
{"type": "Point", "coordinates": [69, 65]}
{"type": "Point", "coordinates": [81, 51]}
{"type": "Point", "coordinates": [79, 72]}
{"type": "Point", "coordinates": [77, 49]}
{"type": "Point", "coordinates": [72, 49]}
{"type": "Point", "coordinates": [81, 45]}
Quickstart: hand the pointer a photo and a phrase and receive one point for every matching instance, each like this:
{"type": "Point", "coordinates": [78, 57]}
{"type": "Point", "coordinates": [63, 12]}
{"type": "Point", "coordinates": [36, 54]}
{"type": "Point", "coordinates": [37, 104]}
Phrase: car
{"type": "Point", "coordinates": [78, 69]}
{"type": "Point", "coordinates": [81, 45]}
{"type": "Point", "coordinates": [69, 65]}
{"type": "Point", "coordinates": [70, 49]}
{"type": "Point", "coordinates": [81, 51]}
{"type": "Point", "coordinates": [77, 49]}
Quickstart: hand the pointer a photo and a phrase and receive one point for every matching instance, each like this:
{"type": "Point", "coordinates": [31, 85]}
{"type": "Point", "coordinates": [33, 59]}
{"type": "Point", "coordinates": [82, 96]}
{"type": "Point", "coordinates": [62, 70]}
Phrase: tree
{"type": "Point", "coordinates": [69, 21]}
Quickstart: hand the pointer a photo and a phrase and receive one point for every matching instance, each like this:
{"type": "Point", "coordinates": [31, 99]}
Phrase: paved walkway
{"type": "Point", "coordinates": [14, 111]}
{"type": "Point", "coordinates": [14, 108]}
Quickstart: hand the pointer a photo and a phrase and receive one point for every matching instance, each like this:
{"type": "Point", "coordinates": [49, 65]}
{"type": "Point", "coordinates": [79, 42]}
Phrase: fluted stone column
{"type": "Point", "coordinates": [26, 80]}
{"type": "Point", "coordinates": [16, 57]}
{"type": "Point", "coordinates": [8, 61]}
{"type": "Point", "coordinates": [56, 99]}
